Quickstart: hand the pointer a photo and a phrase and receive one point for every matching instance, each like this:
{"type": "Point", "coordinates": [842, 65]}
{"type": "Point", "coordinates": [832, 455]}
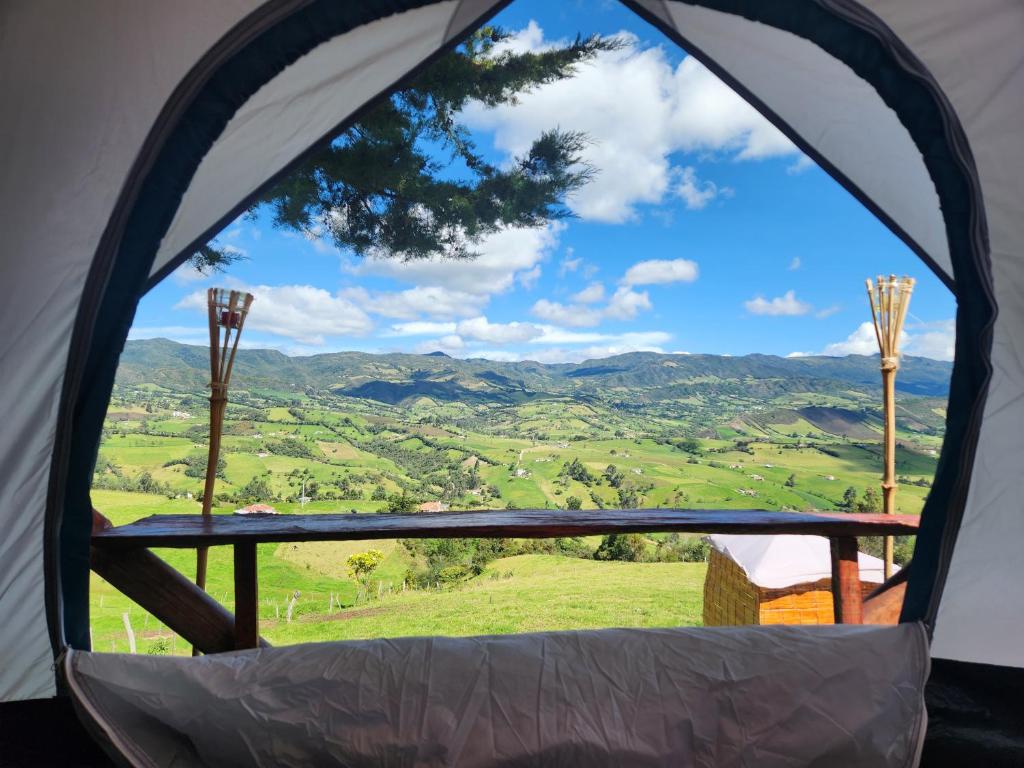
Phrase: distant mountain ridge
{"type": "Point", "coordinates": [399, 377]}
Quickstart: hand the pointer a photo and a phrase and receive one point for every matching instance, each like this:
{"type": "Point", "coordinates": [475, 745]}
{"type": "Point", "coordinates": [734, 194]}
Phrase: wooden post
{"type": "Point", "coordinates": [846, 594]}
{"type": "Point", "coordinates": [247, 605]}
{"type": "Point", "coordinates": [890, 300]}
{"type": "Point", "coordinates": [172, 598]}
{"type": "Point", "coordinates": [129, 631]}
{"type": "Point", "coordinates": [226, 312]}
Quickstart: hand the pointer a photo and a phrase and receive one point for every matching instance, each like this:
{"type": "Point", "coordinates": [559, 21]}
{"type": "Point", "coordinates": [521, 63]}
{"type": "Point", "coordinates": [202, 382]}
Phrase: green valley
{"type": "Point", "coordinates": [363, 433]}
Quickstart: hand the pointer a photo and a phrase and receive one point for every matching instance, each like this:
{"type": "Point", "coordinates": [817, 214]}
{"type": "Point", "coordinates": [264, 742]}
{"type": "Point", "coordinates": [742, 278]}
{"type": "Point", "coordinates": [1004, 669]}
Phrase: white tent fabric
{"type": "Point", "coordinates": [72, 134]}
{"type": "Point", "coordinates": [832, 109]}
{"type": "Point", "coordinates": [974, 51]}
{"type": "Point", "coordinates": [776, 562]}
{"type": "Point", "coordinates": [724, 696]}
{"type": "Point", "coordinates": [83, 85]}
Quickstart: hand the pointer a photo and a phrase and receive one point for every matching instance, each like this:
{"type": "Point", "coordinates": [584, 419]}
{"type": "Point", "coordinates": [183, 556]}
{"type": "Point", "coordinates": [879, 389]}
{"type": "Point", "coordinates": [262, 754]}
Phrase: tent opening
{"type": "Point", "coordinates": [658, 313]}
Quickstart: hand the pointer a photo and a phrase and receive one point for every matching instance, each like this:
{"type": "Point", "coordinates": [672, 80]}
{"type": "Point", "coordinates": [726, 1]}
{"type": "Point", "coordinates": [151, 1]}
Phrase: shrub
{"type": "Point", "coordinates": [630, 547]}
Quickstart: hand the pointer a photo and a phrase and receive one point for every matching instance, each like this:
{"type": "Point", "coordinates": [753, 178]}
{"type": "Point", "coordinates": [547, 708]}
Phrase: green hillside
{"type": "Point", "coordinates": [367, 433]}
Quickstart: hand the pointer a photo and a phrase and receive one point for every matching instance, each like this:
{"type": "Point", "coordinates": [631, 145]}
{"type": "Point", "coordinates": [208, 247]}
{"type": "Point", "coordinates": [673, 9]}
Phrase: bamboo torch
{"type": "Point", "coordinates": [227, 311]}
{"type": "Point", "coordinates": [890, 298]}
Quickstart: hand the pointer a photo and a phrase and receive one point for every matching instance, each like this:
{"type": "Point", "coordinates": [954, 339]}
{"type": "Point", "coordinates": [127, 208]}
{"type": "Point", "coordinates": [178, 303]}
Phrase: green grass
{"type": "Point", "coordinates": [526, 593]}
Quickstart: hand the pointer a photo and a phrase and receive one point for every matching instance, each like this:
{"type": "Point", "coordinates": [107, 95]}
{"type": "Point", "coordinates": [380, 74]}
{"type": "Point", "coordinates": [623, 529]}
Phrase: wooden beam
{"type": "Point", "coordinates": [846, 593]}
{"type": "Point", "coordinates": [247, 607]}
{"type": "Point", "coordinates": [169, 596]}
{"type": "Point", "coordinates": [192, 530]}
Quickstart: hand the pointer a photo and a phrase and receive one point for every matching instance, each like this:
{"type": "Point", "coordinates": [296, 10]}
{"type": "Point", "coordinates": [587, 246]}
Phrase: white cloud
{"type": "Point", "coordinates": [934, 340]}
{"type": "Point", "coordinates": [569, 263]}
{"type": "Point", "coordinates": [529, 278]}
{"type": "Point", "coordinates": [787, 304]}
{"type": "Point", "coordinates": [592, 293]}
{"type": "Point", "coordinates": [574, 316]}
{"type": "Point", "coordinates": [419, 328]}
{"type": "Point", "coordinates": [861, 342]}
{"type": "Point", "coordinates": [431, 300]}
{"type": "Point", "coordinates": [660, 271]}
{"type": "Point", "coordinates": [638, 110]}
{"type": "Point", "coordinates": [696, 194]}
{"type": "Point", "coordinates": [480, 329]}
{"type": "Point", "coordinates": [451, 345]}
{"type": "Point", "coordinates": [304, 313]}
{"type": "Point", "coordinates": [821, 314]}
{"type": "Point", "coordinates": [794, 264]}
{"type": "Point", "coordinates": [186, 274]}
{"type": "Point", "coordinates": [502, 255]}
{"type": "Point", "coordinates": [625, 303]}
{"type": "Point", "coordinates": [185, 334]}
{"type": "Point", "coordinates": [599, 345]}
{"type": "Point", "coordinates": [802, 164]}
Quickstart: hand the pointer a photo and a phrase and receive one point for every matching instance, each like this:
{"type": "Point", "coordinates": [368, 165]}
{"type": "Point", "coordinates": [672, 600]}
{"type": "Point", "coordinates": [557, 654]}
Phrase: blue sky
{"type": "Point", "coordinates": [704, 230]}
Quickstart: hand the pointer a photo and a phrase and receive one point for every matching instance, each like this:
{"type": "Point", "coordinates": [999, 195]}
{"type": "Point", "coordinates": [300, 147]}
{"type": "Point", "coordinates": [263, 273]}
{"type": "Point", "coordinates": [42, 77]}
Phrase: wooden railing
{"type": "Point", "coordinates": [165, 596]}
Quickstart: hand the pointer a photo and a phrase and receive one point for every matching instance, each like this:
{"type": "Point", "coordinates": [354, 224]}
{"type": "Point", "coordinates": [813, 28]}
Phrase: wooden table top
{"type": "Point", "coordinates": [189, 531]}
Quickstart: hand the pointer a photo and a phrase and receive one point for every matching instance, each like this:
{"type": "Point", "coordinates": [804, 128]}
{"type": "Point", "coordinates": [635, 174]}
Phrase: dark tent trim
{"type": "Point", "coordinates": [863, 42]}
{"type": "Point", "coordinates": [250, 55]}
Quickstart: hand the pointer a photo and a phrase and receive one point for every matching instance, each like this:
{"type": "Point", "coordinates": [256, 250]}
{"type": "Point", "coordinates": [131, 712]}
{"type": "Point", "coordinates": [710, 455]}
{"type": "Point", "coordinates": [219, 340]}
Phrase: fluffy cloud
{"type": "Point", "coordinates": [451, 345]}
{"type": "Point", "coordinates": [186, 274]}
{"type": "Point", "coordinates": [638, 110]}
{"type": "Point", "coordinates": [696, 194]}
{"type": "Point", "coordinates": [625, 303]}
{"type": "Point", "coordinates": [861, 342]}
{"type": "Point", "coordinates": [431, 300]}
{"type": "Point", "coordinates": [186, 334]}
{"type": "Point", "coordinates": [935, 340]}
{"type": "Point", "coordinates": [481, 329]}
{"type": "Point", "coordinates": [304, 313]}
{"type": "Point", "coordinates": [787, 304]}
{"type": "Point", "coordinates": [502, 255]}
{"type": "Point", "coordinates": [592, 293]}
{"type": "Point", "coordinates": [794, 264]}
{"type": "Point", "coordinates": [419, 328]}
{"type": "Point", "coordinates": [660, 271]}
{"type": "Point", "coordinates": [574, 316]}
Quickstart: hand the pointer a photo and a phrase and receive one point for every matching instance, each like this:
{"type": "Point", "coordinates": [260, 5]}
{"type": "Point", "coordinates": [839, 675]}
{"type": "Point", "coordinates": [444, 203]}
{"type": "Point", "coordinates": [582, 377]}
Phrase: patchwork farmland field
{"type": "Point", "coordinates": [641, 430]}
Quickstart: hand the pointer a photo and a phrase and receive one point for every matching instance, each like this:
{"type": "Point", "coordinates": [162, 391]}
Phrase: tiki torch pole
{"type": "Point", "coordinates": [227, 311]}
{"type": "Point", "coordinates": [890, 299]}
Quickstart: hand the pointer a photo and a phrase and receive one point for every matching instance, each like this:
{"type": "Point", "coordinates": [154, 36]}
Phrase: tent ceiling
{"type": "Point", "coordinates": [841, 117]}
{"type": "Point", "coordinates": [299, 107]}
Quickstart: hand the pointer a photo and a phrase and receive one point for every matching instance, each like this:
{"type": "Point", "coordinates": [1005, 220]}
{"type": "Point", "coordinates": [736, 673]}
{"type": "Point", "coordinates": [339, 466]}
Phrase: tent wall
{"type": "Point", "coordinates": [767, 70]}
{"type": "Point", "coordinates": [974, 51]}
{"type": "Point", "coordinates": [102, 155]}
{"type": "Point", "coordinates": [81, 86]}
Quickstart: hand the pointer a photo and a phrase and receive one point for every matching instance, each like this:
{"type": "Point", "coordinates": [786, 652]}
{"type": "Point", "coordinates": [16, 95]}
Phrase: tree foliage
{"type": "Point", "coordinates": [631, 547]}
{"type": "Point", "coordinates": [407, 180]}
{"type": "Point", "coordinates": [362, 564]}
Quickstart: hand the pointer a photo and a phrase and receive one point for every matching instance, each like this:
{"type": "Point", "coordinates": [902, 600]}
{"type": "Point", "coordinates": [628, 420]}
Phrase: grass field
{"type": "Point", "coordinates": [517, 594]}
{"type": "Point", "coordinates": [358, 455]}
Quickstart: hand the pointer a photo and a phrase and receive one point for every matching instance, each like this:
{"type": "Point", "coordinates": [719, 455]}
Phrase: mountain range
{"type": "Point", "coordinates": [397, 378]}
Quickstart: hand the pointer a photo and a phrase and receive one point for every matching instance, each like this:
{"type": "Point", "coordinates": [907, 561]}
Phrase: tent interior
{"type": "Point", "coordinates": [175, 117]}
